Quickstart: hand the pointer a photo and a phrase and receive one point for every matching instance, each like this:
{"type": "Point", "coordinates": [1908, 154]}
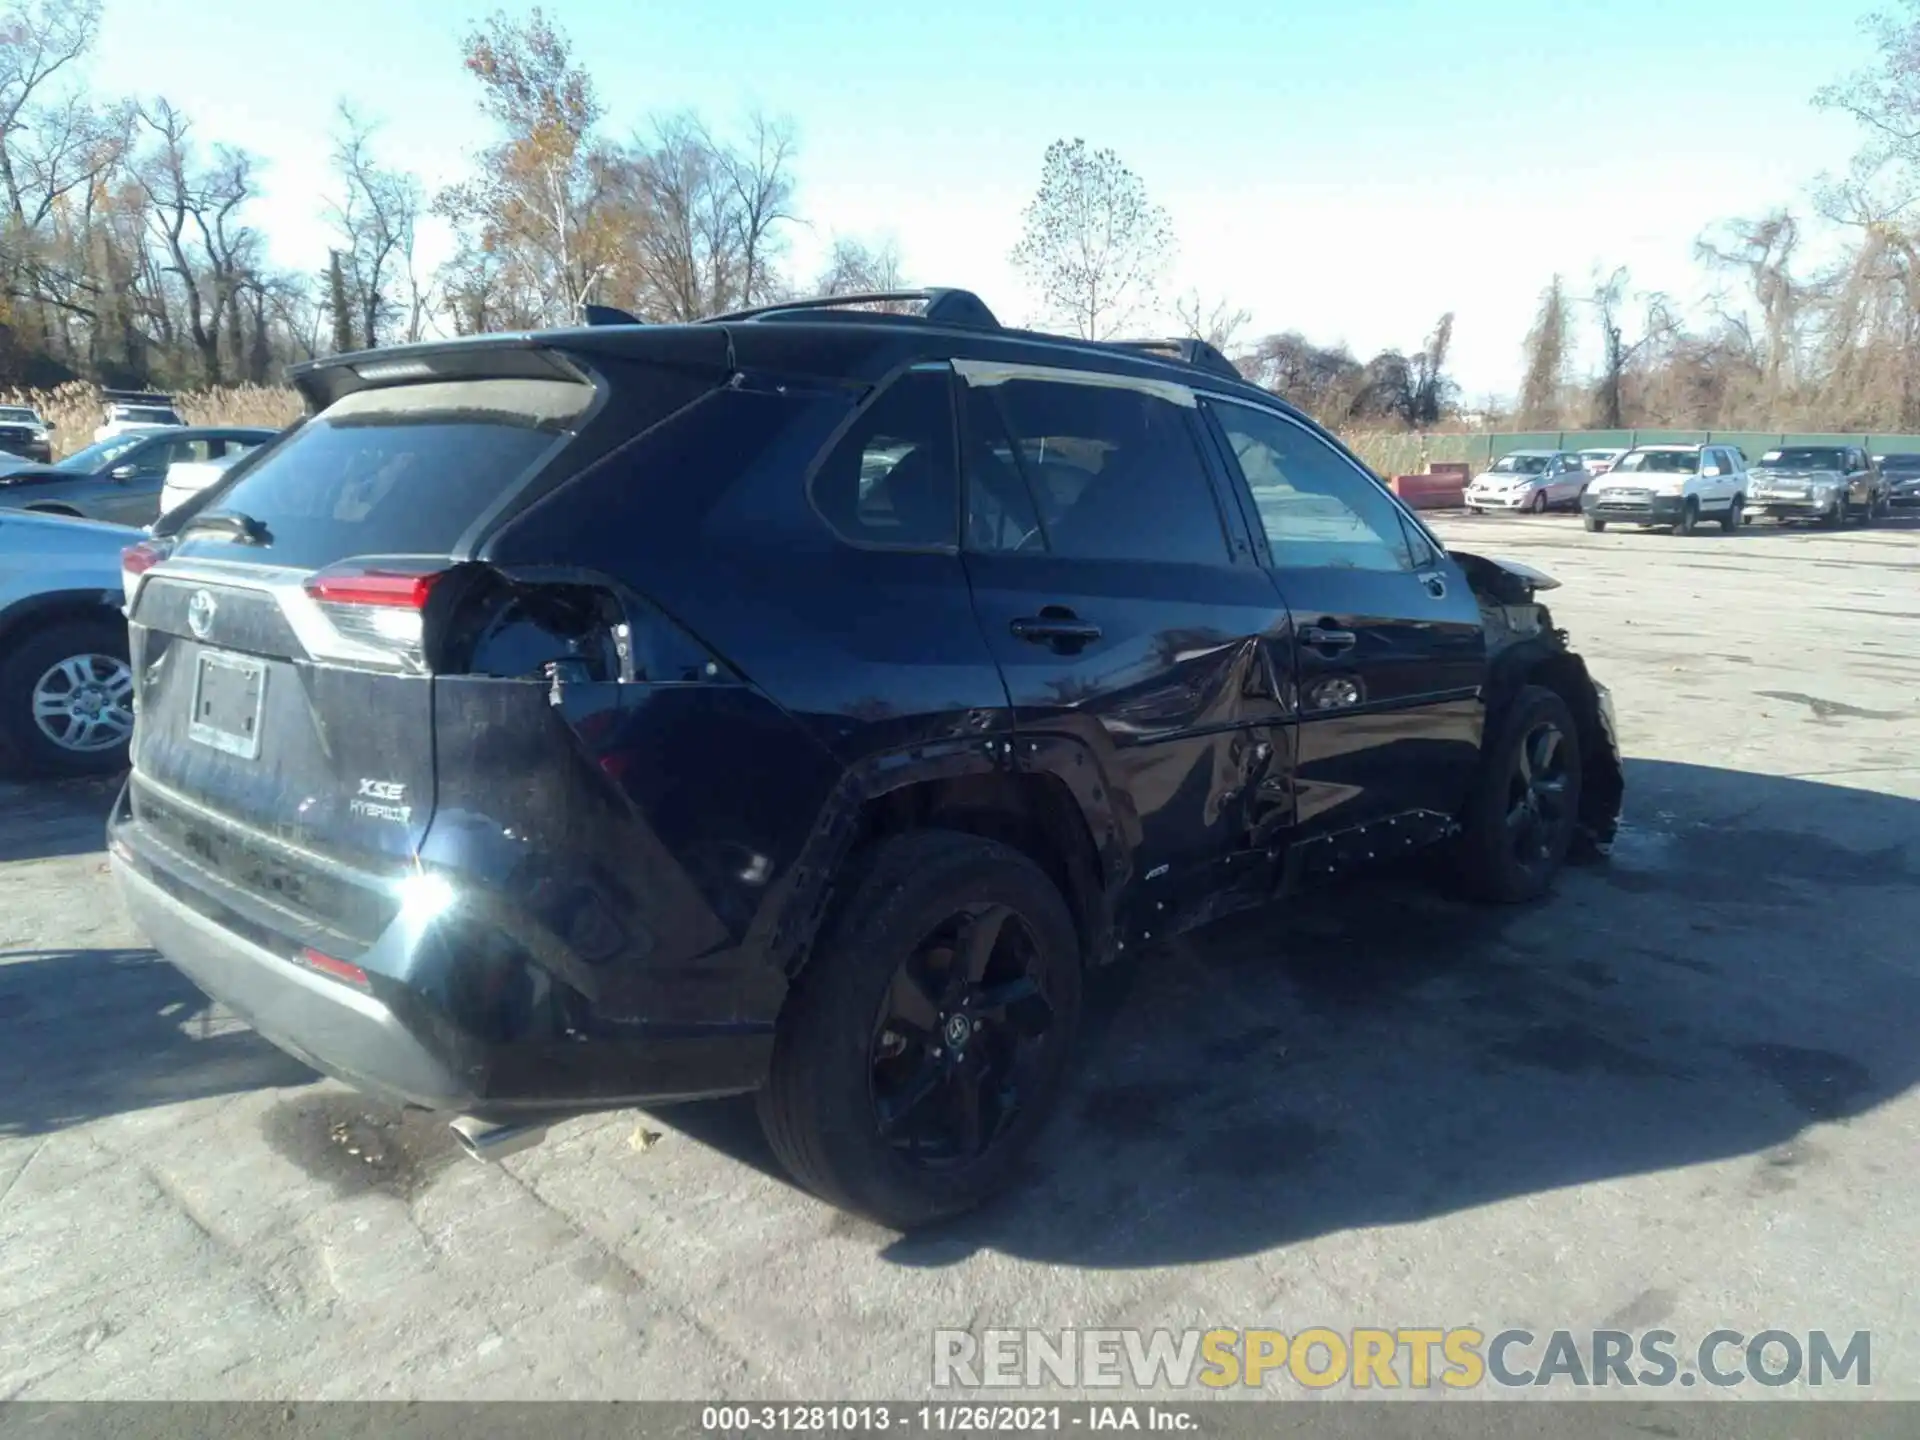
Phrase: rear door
{"type": "Point", "coordinates": [282, 681]}
{"type": "Point", "coordinates": [1389, 654]}
{"type": "Point", "coordinates": [1120, 609]}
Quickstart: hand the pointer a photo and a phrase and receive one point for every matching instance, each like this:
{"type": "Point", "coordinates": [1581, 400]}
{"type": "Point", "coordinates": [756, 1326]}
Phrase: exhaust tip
{"type": "Point", "coordinates": [488, 1142]}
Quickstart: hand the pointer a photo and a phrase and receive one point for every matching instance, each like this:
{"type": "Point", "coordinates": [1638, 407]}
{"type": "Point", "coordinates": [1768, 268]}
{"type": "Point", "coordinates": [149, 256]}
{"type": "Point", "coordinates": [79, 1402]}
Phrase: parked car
{"type": "Point", "coordinates": [66, 692]}
{"type": "Point", "coordinates": [187, 478]}
{"type": "Point", "coordinates": [1670, 485]}
{"type": "Point", "coordinates": [131, 410]}
{"type": "Point", "coordinates": [23, 432]}
{"type": "Point", "coordinates": [1599, 462]}
{"type": "Point", "coordinates": [1534, 480]}
{"type": "Point", "coordinates": [1829, 483]}
{"type": "Point", "coordinates": [120, 479]}
{"type": "Point", "coordinates": [1902, 473]}
{"type": "Point", "coordinates": [597, 717]}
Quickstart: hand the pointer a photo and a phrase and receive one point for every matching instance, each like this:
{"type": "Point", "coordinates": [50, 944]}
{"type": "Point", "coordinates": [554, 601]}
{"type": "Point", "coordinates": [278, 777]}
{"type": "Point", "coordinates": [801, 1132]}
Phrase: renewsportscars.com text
{"type": "Point", "coordinates": [1460, 1358]}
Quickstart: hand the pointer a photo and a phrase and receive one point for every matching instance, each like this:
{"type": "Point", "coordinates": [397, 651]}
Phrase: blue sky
{"type": "Point", "coordinates": [1348, 170]}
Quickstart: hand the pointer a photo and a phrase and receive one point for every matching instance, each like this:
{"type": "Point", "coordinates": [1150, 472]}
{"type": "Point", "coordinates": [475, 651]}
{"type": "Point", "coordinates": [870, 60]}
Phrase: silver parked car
{"type": "Point", "coordinates": [120, 479]}
{"type": "Point", "coordinates": [1533, 480]}
{"type": "Point", "coordinates": [66, 692]}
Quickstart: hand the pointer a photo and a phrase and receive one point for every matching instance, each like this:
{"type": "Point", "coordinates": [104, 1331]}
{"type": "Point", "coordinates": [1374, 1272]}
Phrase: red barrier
{"type": "Point", "coordinates": [1431, 492]}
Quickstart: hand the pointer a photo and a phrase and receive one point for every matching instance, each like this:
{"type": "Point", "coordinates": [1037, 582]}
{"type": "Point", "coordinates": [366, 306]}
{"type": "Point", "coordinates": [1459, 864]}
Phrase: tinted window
{"type": "Point", "coordinates": [889, 480]}
{"type": "Point", "coordinates": [398, 471]}
{"type": "Point", "coordinates": [1115, 473]}
{"type": "Point", "coordinates": [1317, 509]}
{"type": "Point", "coordinates": [1660, 462]}
{"type": "Point", "coordinates": [1000, 510]}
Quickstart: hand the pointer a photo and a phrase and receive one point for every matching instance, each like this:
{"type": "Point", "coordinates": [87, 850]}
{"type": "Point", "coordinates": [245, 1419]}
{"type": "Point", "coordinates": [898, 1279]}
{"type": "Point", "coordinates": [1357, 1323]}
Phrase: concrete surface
{"type": "Point", "coordinates": [1680, 1093]}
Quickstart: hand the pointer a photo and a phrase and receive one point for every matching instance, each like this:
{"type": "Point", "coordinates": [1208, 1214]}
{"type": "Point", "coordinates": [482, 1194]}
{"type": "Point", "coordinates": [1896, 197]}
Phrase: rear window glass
{"type": "Point", "coordinates": [401, 471]}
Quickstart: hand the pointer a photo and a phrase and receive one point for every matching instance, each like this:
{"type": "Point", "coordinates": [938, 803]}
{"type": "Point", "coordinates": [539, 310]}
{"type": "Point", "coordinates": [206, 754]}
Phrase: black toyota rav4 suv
{"type": "Point", "coordinates": [800, 701]}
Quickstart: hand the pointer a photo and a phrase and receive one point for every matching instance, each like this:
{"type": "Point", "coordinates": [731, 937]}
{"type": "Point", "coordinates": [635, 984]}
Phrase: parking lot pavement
{"type": "Point", "coordinates": [1679, 1094]}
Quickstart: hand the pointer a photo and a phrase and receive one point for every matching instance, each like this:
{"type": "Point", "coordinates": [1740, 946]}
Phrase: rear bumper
{"type": "Point", "coordinates": [1657, 510]}
{"type": "Point", "coordinates": [398, 1037]}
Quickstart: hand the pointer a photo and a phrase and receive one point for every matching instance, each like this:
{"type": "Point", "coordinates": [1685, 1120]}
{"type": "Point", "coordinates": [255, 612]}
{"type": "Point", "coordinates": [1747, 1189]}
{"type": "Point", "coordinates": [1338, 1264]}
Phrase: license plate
{"type": "Point", "coordinates": [229, 693]}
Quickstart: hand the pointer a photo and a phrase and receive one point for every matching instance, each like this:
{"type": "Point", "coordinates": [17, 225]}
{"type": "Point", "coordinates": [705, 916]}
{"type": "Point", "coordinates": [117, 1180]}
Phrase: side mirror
{"type": "Point", "coordinates": [123, 473]}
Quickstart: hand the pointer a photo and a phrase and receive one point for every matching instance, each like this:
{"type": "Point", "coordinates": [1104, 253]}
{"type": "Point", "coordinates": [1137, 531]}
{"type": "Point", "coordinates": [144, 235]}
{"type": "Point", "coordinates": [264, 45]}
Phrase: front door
{"type": "Point", "coordinates": [1109, 588]}
{"type": "Point", "coordinates": [1389, 655]}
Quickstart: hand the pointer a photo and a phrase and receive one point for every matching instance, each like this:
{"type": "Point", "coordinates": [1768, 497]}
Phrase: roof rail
{"type": "Point", "coordinates": [136, 397]}
{"type": "Point", "coordinates": [942, 306]}
{"type": "Point", "coordinates": [1197, 353]}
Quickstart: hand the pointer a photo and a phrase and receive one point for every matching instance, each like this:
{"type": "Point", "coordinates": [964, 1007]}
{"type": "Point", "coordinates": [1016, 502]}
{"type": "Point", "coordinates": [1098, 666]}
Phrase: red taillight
{"type": "Point", "coordinates": [338, 969]}
{"type": "Point", "coordinates": [138, 559]}
{"type": "Point", "coordinates": [373, 585]}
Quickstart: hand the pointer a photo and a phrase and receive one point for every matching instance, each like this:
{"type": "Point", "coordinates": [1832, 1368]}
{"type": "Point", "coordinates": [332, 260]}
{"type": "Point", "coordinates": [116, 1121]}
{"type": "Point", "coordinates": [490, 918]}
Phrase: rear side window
{"type": "Point", "coordinates": [398, 471]}
{"type": "Point", "coordinates": [1115, 473]}
{"type": "Point", "coordinates": [889, 480]}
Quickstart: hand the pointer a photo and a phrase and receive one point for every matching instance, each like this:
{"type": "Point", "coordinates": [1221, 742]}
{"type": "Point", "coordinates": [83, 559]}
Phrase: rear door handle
{"type": "Point", "coordinates": [1324, 639]}
{"type": "Point", "coordinates": [1055, 625]}
{"type": "Point", "coordinates": [1436, 584]}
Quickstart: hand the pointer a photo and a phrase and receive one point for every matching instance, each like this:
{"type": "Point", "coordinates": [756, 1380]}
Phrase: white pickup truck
{"type": "Point", "coordinates": [1674, 486]}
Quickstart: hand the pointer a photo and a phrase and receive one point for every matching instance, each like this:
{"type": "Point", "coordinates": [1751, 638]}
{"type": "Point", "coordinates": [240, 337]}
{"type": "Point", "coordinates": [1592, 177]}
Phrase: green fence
{"type": "Point", "coordinates": [1482, 450]}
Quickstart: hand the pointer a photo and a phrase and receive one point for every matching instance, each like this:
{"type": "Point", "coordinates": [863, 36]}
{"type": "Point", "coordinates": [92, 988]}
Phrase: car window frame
{"type": "Point", "coordinates": [1413, 533]}
{"type": "Point", "coordinates": [986, 375]}
{"type": "Point", "coordinates": [873, 397]}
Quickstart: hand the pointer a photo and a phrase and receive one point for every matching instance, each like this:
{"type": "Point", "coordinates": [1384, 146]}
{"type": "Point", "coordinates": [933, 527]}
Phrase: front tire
{"type": "Point", "coordinates": [927, 1040]}
{"type": "Point", "coordinates": [1836, 518]}
{"type": "Point", "coordinates": [1689, 517]}
{"type": "Point", "coordinates": [1538, 505]}
{"type": "Point", "coordinates": [66, 700]}
{"type": "Point", "coordinates": [1732, 520]}
{"type": "Point", "coordinates": [1519, 821]}
{"type": "Point", "coordinates": [1593, 524]}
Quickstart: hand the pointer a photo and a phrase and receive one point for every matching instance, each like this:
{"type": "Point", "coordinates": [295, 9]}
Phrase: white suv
{"type": "Point", "coordinates": [1670, 485]}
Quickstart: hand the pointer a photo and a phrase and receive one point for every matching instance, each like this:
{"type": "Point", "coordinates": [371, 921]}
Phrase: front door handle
{"type": "Point", "coordinates": [1324, 639]}
{"type": "Point", "coordinates": [1055, 625]}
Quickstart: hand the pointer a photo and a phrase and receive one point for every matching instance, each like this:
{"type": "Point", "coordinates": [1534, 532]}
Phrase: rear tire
{"type": "Point", "coordinates": [78, 664]}
{"type": "Point", "coordinates": [1593, 523]}
{"type": "Point", "coordinates": [862, 1092]}
{"type": "Point", "coordinates": [1518, 822]}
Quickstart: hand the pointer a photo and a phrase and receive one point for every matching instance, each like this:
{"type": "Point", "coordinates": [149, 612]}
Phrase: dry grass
{"type": "Point", "coordinates": [77, 409]}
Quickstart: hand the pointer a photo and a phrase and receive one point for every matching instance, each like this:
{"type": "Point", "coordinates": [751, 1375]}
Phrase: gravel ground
{"type": "Point", "coordinates": [1678, 1094]}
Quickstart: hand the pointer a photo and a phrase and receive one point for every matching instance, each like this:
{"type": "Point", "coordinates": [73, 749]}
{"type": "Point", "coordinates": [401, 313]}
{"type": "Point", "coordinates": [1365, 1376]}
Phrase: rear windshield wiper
{"type": "Point", "coordinates": [244, 528]}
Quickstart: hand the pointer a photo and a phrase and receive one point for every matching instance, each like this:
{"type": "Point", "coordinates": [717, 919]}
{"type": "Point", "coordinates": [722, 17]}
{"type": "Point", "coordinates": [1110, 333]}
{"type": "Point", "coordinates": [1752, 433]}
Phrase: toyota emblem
{"type": "Point", "coordinates": [200, 613]}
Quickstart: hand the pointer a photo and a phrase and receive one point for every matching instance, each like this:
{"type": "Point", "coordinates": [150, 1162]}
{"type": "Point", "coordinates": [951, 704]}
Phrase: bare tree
{"type": "Point", "coordinates": [855, 268]}
{"type": "Point", "coordinates": [1609, 301]}
{"type": "Point", "coordinates": [1545, 352]}
{"type": "Point", "coordinates": [374, 218]}
{"type": "Point", "coordinates": [704, 219]}
{"type": "Point", "coordinates": [1092, 243]}
{"type": "Point", "coordinates": [38, 39]}
{"type": "Point", "coordinates": [1764, 250]}
{"type": "Point", "coordinates": [1218, 323]}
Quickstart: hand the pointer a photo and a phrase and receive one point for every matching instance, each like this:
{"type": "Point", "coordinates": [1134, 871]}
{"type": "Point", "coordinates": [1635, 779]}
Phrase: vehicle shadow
{"type": "Point", "coordinates": [53, 818]}
{"type": "Point", "coordinates": [1381, 1053]}
{"type": "Point", "coordinates": [93, 1033]}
